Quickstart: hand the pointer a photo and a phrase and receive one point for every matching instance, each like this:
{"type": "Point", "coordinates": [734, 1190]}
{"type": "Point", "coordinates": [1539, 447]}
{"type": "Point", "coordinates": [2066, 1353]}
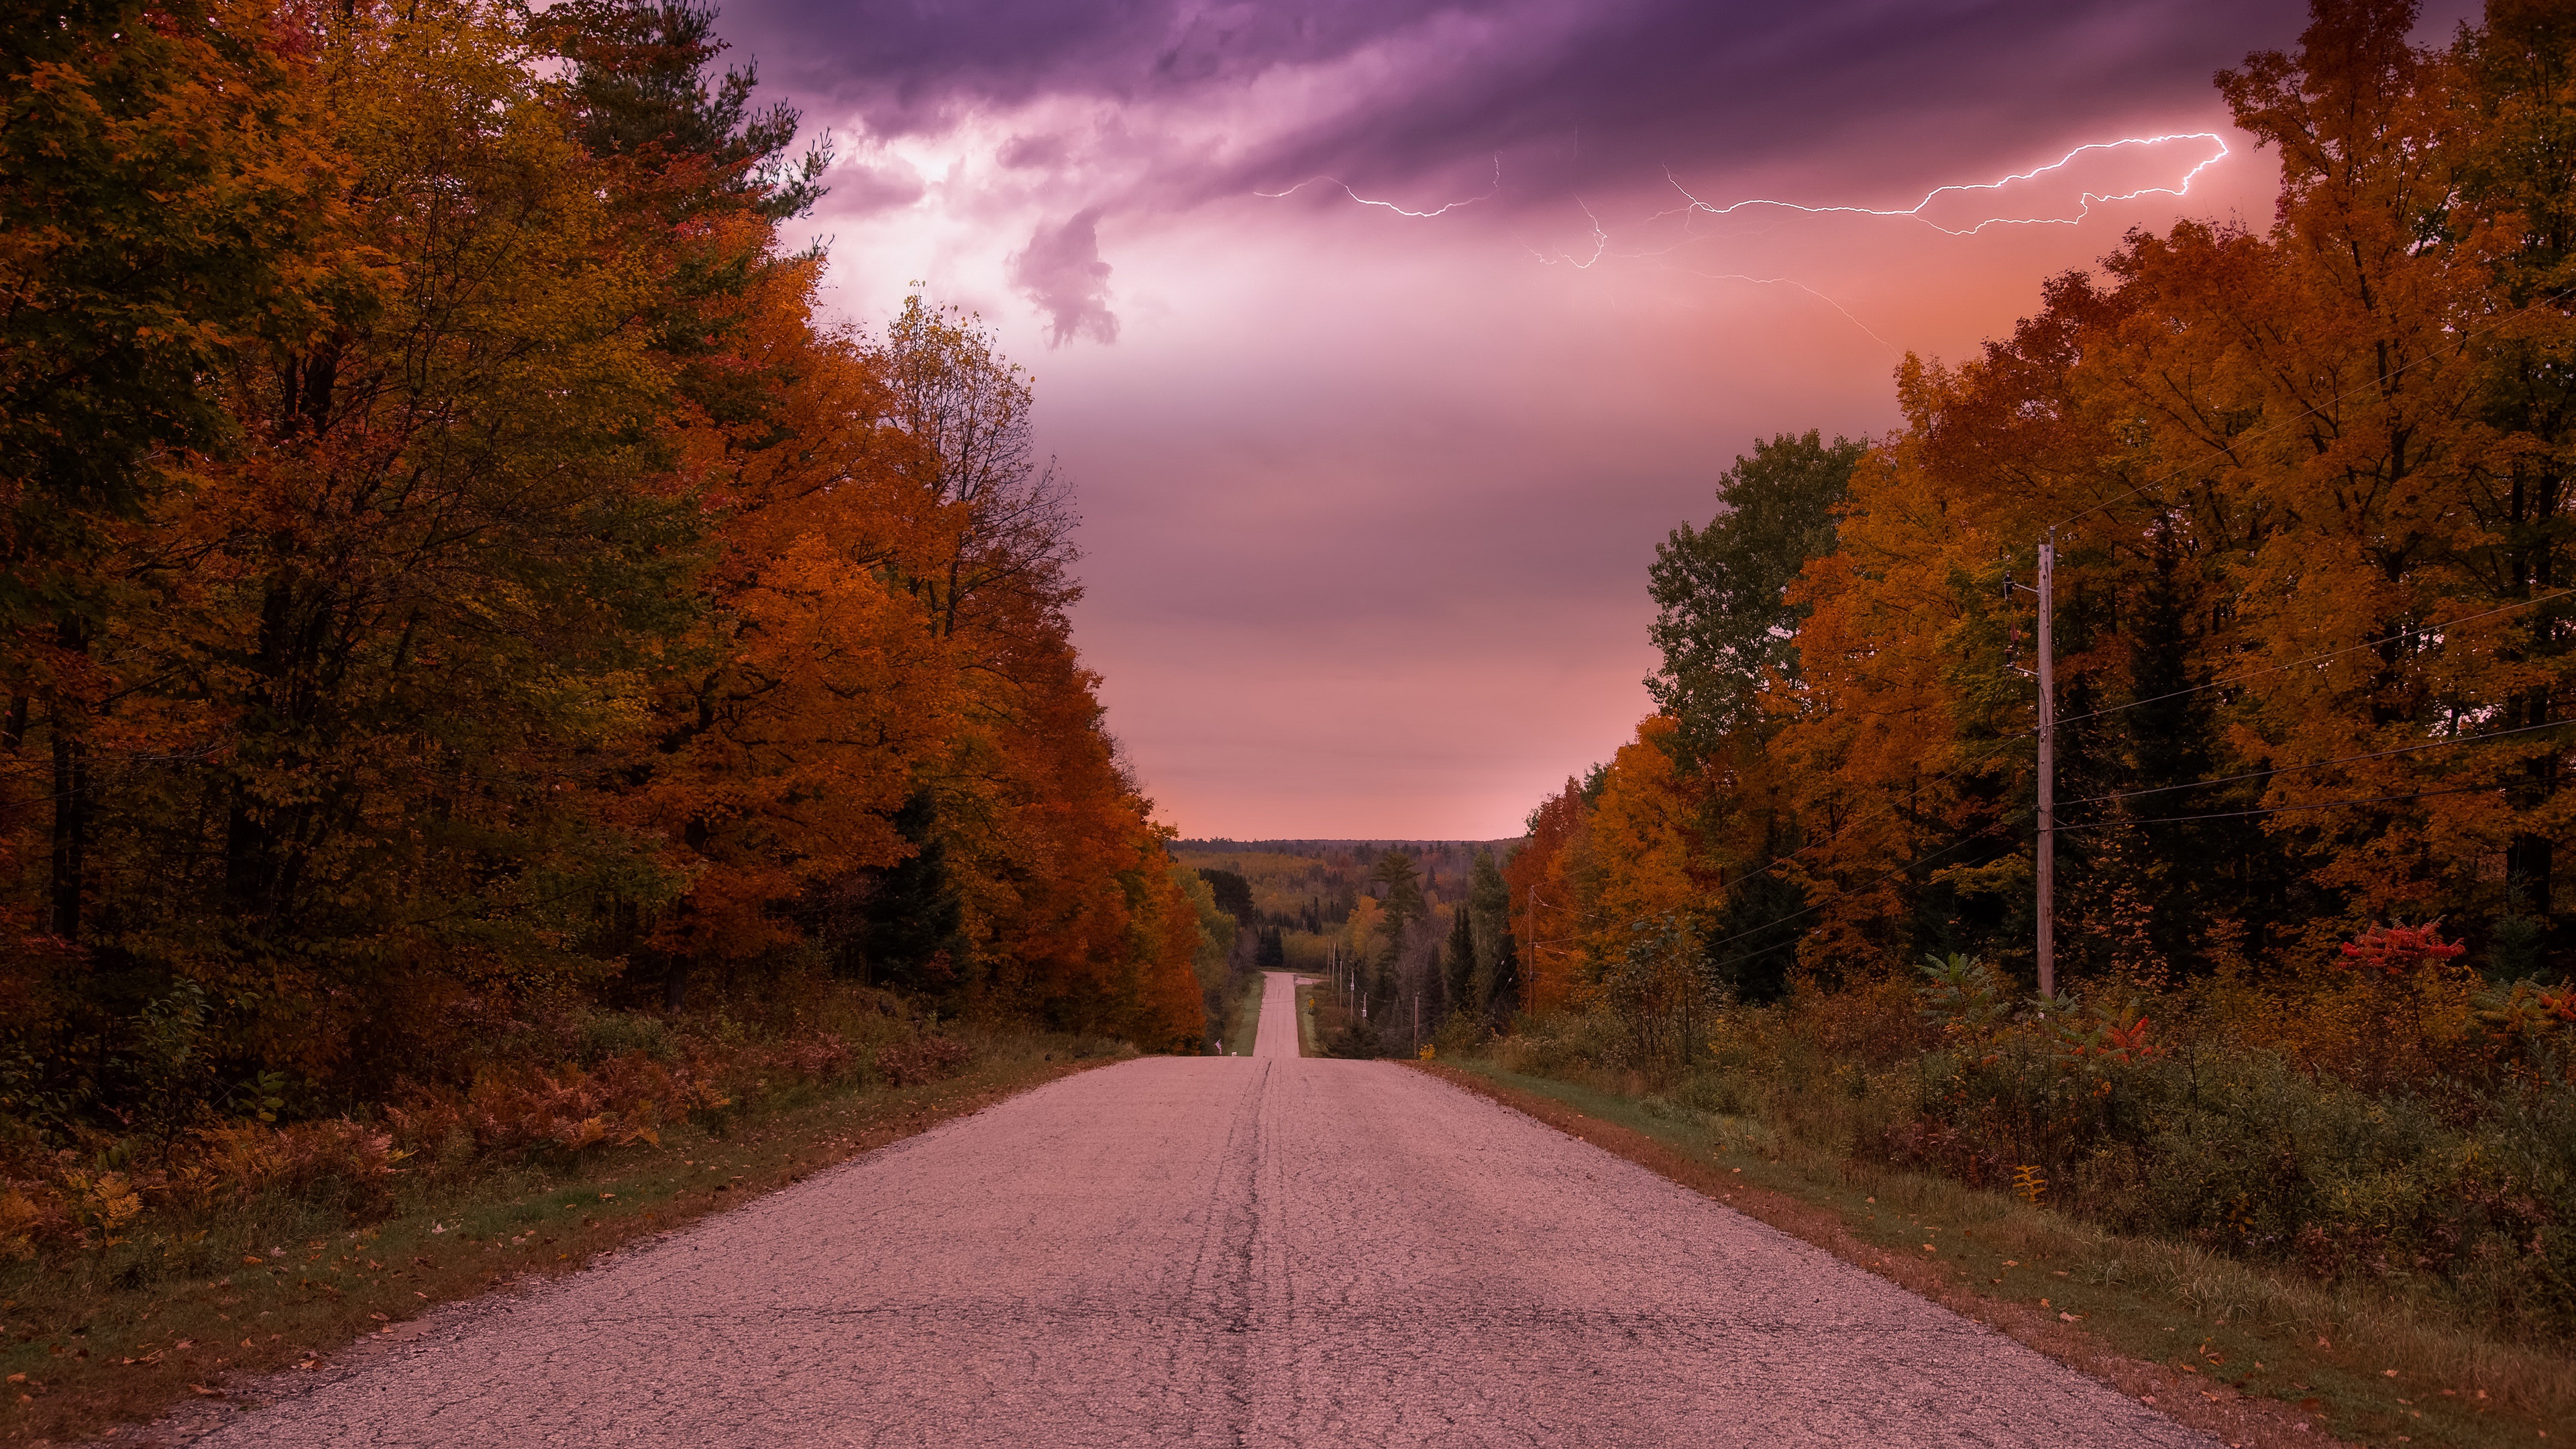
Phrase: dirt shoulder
{"type": "Point", "coordinates": [307, 1304]}
{"type": "Point", "coordinates": [2237, 1381]}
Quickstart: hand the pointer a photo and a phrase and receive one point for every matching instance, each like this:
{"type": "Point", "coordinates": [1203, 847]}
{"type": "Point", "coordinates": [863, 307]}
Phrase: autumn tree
{"type": "Point", "coordinates": [453, 569]}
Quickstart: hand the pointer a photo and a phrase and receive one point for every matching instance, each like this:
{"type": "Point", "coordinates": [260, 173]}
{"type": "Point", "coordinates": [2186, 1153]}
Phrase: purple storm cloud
{"type": "Point", "coordinates": [1370, 489]}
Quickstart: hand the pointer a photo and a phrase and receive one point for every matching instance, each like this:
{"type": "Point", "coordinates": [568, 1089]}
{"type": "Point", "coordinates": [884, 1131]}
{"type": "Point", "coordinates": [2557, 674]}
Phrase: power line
{"type": "Point", "coordinates": [2320, 658]}
{"type": "Point", "coordinates": [1797, 940]}
{"type": "Point", "coordinates": [2098, 825]}
{"type": "Point", "coordinates": [2281, 809]}
{"type": "Point", "coordinates": [2321, 764]}
{"type": "Point", "coordinates": [1999, 746]}
{"type": "Point", "coordinates": [1813, 906]}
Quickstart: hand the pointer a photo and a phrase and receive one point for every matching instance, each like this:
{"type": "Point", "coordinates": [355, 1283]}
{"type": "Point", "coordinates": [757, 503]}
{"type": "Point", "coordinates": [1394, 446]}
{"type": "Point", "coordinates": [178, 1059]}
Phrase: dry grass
{"type": "Point", "coordinates": [86, 1348]}
{"type": "Point", "coordinates": [2244, 1353]}
{"type": "Point", "coordinates": [1245, 1020]}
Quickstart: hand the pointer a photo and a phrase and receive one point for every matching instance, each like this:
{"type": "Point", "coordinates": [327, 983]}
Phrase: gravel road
{"type": "Point", "coordinates": [1221, 1251]}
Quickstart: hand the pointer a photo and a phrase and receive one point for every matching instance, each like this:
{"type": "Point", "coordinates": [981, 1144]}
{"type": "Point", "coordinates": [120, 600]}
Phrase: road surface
{"type": "Point", "coordinates": [1254, 1250]}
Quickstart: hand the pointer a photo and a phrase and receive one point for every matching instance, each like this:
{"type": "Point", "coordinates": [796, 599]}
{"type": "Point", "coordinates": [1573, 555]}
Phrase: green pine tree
{"type": "Point", "coordinates": [1460, 961]}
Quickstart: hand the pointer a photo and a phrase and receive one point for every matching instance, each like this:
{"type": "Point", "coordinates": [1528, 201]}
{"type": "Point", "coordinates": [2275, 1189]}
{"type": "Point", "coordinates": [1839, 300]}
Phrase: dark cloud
{"type": "Point", "coordinates": [1576, 93]}
{"type": "Point", "coordinates": [1032, 153]}
{"type": "Point", "coordinates": [1061, 270]}
{"type": "Point", "coordinates": [911, 64]}
{"type": "Point", "coordinates": [859, 190]}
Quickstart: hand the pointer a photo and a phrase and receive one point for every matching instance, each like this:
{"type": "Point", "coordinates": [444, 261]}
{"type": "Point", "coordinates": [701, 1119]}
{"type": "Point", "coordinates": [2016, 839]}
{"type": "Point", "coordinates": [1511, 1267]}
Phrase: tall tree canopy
{"type": "Point", "coordinates": [2308, 488]}
{"type": "Point", "coordinates": [453, 570]}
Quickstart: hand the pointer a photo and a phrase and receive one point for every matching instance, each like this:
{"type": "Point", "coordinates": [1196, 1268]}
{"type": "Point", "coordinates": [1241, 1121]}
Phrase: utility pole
{"type": "Point", "coordinates": [2047, 769]}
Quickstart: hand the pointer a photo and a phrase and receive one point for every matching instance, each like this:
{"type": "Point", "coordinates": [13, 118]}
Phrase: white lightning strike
{"type": "Point", "coordinates": [2084, 203]}
{"type": "Point", "coordinates": [1389, 205]}
{"type": "Point", "coordinates": [1600, 244]}
{"type": "Point", "coordinates": [1601, 240]}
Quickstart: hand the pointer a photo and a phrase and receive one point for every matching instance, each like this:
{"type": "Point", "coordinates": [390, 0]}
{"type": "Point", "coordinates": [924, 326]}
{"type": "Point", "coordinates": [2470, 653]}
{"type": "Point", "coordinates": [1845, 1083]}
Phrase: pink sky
{"type": "Point", "coordinates": [1368, 497]}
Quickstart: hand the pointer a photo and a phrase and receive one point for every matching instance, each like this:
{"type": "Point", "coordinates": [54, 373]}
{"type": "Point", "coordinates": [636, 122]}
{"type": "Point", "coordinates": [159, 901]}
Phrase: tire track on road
{"type": "Point", "coordinates": [1259, 1252]}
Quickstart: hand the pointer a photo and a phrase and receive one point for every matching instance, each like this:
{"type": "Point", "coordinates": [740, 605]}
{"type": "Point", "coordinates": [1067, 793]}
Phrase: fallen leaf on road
{"type": "Point", "coordinates": [203, 1392]}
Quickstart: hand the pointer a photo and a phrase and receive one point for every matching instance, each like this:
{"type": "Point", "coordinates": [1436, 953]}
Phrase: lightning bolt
{"type": "Point", "coordinates": [1389, 205]}
{"type": "Point", "coordinates": [1600, 244]}
{"type": "Point", "coordinates": [1601, 236]}
{"type": "Point", "coordinates": [1810, 291]}
{"type": "Point", "coordinates": [2084, 203]}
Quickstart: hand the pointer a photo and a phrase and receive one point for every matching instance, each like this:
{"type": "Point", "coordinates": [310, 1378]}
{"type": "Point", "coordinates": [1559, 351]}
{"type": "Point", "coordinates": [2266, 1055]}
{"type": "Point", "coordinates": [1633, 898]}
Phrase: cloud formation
{"type": "Point", "coordinates": [1370, 493]}
{"type": "Point", "coordinates": [1577, 93]}
{"type": "Point", "coordinates": [1061, 270]}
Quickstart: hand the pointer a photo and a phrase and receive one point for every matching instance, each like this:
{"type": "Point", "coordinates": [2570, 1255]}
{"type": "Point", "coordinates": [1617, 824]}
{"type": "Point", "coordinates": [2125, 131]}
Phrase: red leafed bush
{"type": "Point", "coordinates": [2398, 952]}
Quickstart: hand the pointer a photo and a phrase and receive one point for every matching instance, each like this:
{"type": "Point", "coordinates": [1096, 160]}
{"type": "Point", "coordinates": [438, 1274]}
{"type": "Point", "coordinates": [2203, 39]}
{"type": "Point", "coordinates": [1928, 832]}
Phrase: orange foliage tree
{"type": "Point", "coordinates": [2307, 491]}
{"type": "Point", "coordinates": [494, 588]}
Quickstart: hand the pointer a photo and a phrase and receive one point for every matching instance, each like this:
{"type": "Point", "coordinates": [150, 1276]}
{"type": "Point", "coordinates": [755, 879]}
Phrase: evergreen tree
{"type": "Point", "coordinates": [1233, 894]}
{"type": "Point", "coordinates": [1461, 962]}
{"type": "Point", "coordinates": [914, 916]}
{"type": "Point", "coordinates": [641, 92]}
{"type": "Point", "coordinates": [1723, 622]}
{"type": "Point", "coordinates": [1502, 993]}
{"type": "Point", "coordinates": [1489, 906]}
{"type": "Point", "coordinates": [1404, 900]}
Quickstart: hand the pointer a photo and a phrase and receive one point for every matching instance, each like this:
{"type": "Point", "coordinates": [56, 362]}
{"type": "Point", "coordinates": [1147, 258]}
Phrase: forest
{"type": "Point", "coordinates": [2308, 489]}
{"type": "Point", "coordinates": [1403, 934]}
{"type": "Point", "coordinates": [490, 668]}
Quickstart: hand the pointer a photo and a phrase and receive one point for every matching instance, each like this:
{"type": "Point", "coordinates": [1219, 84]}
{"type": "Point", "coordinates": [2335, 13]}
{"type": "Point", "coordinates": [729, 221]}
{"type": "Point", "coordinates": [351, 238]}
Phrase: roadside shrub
{"type": "Point", "coordinates": [919, 1063]}
{"type": "Point", "coordinates": [1586, 1041]}
{"type": "Point", "coordinates": [2381, 1116]}
{"type": "Point", "coordinates": [1355, 1040]}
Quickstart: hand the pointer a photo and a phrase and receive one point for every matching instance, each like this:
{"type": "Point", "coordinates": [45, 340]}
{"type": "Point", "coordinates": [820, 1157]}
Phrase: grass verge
{"type": "Point", "coordinates": [1245, 1023]}
{"type": "Point", "coordinates": [1310, 1041]}
{"type": "Point", "coordinates": [2254, 1358]}
{"type": "Point", "coordinates": [83, 1351]}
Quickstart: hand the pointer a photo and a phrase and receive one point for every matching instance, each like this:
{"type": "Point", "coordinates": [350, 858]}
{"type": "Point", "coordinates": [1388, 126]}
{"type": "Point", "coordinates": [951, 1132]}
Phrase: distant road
{"type": "Point", "coordinates": [1220, 1251]}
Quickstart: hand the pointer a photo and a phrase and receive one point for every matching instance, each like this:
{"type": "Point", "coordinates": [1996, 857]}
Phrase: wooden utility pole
{"type": "Point", "coordinates": [2047, 769]}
